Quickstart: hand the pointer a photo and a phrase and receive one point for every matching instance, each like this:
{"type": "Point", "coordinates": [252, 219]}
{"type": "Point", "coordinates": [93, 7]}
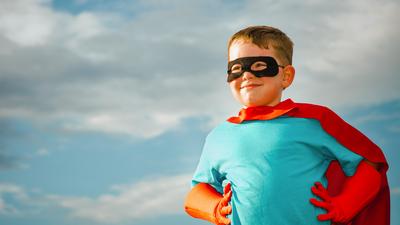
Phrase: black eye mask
{"type": "Point", "coordinates": [271, 70]}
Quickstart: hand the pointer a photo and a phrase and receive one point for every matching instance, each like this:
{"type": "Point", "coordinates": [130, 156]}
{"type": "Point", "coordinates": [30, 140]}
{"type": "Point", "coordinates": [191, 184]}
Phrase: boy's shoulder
{"type": "Point", "coordinates": [313, 108]}
{"type": "Point", "coordinates": [219, 127]}
{"type": "Point", "coordinates": [331, 122]}
{"type": "Point", "coordinates": [343, 132]}
{"type": "Point", "coordinates": [314, 111]}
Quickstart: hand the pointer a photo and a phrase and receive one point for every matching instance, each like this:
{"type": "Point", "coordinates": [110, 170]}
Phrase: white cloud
{"type": "Point", "coordinates": [145, 199]}
{"type": "Point", "coordinates": [80, 30]}
{"type": "Point", "coordinates": [33, 23]}
{"type": "Point", "coordinates": [26, 22]}
{"type": "Point", "coordinates": [125, 123]}
{"type": "Point", "coordinates": [357, 56]}
{"type": "Point", "coordinates": [150, 198]}
{"type": "Point", "coordinates": [14, 190]}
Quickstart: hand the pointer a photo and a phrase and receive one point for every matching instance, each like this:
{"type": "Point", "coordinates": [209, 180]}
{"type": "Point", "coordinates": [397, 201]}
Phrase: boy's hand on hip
{"type": "Point", "coordinates": [223, 208]}
{"type": "Point", "coordinates": [332, 205]}
{"type": "Point", "coordinates": [358, 191]}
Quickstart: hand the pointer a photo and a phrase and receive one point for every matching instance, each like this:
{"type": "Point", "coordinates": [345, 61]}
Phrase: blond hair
{"type": "Point", "coordinates": [267, 37]}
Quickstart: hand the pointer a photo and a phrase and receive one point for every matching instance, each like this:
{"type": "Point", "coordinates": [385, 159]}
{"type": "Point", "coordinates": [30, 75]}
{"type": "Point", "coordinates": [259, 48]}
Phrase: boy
{"type": "Point", "coordinates": [258, 168]}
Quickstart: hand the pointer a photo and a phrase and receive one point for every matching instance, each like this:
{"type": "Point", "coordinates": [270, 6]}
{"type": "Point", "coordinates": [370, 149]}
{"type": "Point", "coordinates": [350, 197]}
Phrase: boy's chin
{"type": "Point", "coordinates": [247, 104]}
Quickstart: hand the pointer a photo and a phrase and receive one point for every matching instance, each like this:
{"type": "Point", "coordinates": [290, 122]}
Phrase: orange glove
{"type": "Point", "coordinates": [204, 202]}
{"type": "Point", "coordinates": [357, 192]}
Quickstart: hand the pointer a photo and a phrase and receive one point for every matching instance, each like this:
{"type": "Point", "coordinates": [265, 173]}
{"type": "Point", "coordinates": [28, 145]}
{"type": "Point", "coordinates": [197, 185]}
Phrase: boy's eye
{"type": "Point", "coordinates": [237, 68]}
{"type": "Point", "coordinates": [258, 66]}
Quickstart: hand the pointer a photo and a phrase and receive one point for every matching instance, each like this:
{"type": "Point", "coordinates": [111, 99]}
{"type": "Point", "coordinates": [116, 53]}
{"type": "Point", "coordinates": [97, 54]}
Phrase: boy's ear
{"type": "Point", "coordinates": [288, 76]}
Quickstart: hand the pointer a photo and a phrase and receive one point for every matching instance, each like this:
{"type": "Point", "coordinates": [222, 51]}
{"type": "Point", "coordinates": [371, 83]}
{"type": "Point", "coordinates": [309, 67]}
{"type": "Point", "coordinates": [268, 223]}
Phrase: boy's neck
{"type": "Point", "coordinates": [263, 112]}
{"type": "Point", "coordinates": [266, 105]}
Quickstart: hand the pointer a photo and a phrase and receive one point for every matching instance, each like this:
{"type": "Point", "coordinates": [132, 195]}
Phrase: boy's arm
{"type": "Point", "coordinates": [358, 191]}
{"type": "Point", "coordinates": [204, 202]}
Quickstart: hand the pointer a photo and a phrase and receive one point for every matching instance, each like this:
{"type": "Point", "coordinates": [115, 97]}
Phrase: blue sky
{"type": "Point", "coordinates": [104, 105]}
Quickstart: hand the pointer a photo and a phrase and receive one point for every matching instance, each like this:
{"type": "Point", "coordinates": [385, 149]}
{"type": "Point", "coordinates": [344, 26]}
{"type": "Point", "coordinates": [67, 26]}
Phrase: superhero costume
{"type": "Point", "coordinates": [273, 155]}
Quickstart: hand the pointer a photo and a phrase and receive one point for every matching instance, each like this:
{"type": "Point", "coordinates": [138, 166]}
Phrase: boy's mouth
{"type": "Point", "coordinates": [249, 86]}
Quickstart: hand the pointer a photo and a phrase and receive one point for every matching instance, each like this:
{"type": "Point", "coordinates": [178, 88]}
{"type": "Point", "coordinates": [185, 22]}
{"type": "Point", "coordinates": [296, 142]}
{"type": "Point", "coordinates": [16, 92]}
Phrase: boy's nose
{"type": "Point", "coordinates": [248, 75]}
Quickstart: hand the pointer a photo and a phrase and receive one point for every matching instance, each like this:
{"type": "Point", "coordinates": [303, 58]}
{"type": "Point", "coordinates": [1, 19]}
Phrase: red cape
{"type": "Point", "coordinates": [378, 211]}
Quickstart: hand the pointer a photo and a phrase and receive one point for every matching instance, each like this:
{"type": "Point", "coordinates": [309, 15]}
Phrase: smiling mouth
{"type": "Point", "coordinates": [250, 86]}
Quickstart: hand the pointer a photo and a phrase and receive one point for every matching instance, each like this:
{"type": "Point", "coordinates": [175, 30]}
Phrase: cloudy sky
{"type": "Point", "coordinates": [104, 105]}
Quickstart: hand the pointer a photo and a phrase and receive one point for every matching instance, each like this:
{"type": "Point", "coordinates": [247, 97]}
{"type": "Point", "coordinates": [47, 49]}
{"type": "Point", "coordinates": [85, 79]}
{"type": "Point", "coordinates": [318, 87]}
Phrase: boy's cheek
{"type": "Point", "coordinates": [235, 85]}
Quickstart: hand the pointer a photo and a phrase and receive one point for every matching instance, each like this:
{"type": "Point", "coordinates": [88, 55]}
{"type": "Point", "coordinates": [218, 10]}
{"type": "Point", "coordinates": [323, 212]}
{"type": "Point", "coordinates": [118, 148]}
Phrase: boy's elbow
{"type": "Point", "coordinates": [194, 198]}
{"type": "Point", "coordinates": [376, 166]}
{"type": "Point", "coordinates": [187, 201]}
{"type": "Point", "coordinates": [369, 171]}
{"type": "Point", "coordinates": [201, 201]}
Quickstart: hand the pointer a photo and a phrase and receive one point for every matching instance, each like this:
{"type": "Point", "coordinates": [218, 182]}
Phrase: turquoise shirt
{"type": "Point", "coordinates": [272, 165]}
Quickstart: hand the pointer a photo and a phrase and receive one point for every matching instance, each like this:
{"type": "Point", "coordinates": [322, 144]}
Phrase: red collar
{"type": "Point", "coordinates": [263, 112]}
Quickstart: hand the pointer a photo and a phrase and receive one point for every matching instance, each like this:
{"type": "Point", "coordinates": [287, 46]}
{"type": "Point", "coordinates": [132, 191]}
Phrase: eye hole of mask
{"type": "Point", "coordinates": [260, 66]}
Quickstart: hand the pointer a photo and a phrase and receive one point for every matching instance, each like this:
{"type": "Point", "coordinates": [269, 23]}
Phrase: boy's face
{"type": "Point", "coordinates": [250, 90]}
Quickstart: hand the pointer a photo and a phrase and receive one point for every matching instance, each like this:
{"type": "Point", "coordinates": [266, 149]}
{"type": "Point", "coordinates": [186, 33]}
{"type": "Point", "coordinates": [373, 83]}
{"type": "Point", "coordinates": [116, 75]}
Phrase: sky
{"type": "Point", "coordinates": [105, 105]}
